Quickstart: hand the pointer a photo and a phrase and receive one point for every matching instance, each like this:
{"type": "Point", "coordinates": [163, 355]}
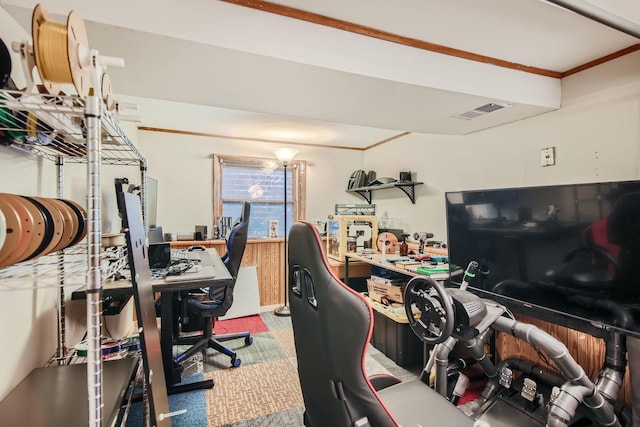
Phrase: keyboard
{"type": "Point", "coordinates": [182, 255]}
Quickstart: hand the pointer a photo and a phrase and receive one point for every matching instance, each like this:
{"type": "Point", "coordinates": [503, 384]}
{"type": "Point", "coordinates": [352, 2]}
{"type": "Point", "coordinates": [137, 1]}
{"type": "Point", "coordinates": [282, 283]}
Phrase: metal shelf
{"type": "Point", "coordinates": [406, 187]}
{"type": "Point", "coordinates": [70, 129]}
{"type": "Point", "coordinates": [63, 268]}
{"type": "Point", "coordinates": [51, 126]}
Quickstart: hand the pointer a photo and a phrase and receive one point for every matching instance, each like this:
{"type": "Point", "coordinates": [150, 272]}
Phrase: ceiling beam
{"type": "Point", "coordinates": [339, 24]}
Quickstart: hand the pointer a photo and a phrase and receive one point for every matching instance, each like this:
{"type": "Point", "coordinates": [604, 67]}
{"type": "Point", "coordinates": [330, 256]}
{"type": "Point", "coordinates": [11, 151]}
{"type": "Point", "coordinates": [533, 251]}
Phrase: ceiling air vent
{"type": "Point", "coordinates": [481, 111]}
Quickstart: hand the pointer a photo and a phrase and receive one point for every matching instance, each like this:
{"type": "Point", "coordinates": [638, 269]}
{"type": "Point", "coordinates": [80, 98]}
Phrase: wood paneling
{"type": "Point", "coordinates": [271, 272]}
{"type": "Point", "coordinates": [587, 350]}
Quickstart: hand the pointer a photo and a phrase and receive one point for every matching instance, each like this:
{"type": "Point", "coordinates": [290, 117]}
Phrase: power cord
{"type": "Point", "coordinates": [179, 268]}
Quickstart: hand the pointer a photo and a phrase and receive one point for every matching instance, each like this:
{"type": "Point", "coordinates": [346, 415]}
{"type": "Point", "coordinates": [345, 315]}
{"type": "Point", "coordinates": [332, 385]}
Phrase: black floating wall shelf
{"type": "Point", "coordinates": [407, 187]}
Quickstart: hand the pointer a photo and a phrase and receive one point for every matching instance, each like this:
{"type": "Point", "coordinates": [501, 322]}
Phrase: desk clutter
{"type": "Point", "coordinates": [165, 262]}
{"type": "Point", "coordinates": [387, 290]}
{"type": "Point", "coordinates": [111, 348]}
{"type": "Point", "coordinates": [388, 287]}
{"type": "Point", "coordinates": [355, 228]}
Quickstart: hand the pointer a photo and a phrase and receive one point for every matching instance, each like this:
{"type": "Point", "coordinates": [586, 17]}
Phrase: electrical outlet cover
{"type": "Point", "coordinates": [548, 156]}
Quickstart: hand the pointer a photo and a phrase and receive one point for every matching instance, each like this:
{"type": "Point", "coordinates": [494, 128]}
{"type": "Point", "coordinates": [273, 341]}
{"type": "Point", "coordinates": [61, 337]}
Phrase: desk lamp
{"type": "Point", "coordinates": [285, 155]}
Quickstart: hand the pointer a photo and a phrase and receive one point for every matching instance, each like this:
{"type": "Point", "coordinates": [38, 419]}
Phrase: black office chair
{"type": "Point", "coordinates": [332, 326]}
{"type": "Point", "coordinates": [205, 312]}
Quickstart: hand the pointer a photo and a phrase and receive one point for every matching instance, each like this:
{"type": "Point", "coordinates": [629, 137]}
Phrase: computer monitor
{"type": "Point", "coordinates": [159, 255]}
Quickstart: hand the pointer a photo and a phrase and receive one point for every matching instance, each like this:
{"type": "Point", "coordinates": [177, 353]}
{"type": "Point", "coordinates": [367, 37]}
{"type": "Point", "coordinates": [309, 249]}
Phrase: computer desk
{"type": "Point", "coordinates": [214, 273]}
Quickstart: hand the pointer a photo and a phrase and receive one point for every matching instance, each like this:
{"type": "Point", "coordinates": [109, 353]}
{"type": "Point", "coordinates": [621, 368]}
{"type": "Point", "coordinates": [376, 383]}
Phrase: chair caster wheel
{"type": "Point", "coordinates": [248, 340]}
{"type": "Point", "coordinates": [235, 362]}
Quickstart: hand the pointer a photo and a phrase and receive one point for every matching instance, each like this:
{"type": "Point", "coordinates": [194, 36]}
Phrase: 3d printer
{"type": "Point", "coordinates": [350, 233]}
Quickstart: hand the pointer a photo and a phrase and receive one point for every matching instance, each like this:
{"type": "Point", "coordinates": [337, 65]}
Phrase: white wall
{"type": "Point", "coordinates": [183, 166]}
{"type": "Point", "coordinates": [596, 134]}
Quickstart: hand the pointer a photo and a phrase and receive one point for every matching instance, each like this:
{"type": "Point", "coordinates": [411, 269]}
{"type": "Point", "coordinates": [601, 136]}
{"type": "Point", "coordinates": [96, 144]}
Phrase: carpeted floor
{"type": "Point", "coordinates": [264, 390]}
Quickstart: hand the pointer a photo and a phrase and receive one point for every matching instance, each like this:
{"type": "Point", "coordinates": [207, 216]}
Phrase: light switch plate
{"type": "Point", "coordinates": [548, 156]}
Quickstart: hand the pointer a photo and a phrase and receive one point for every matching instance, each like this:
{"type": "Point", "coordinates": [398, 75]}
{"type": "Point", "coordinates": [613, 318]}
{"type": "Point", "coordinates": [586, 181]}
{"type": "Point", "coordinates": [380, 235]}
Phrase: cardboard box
{"type": "Point", "coordinates": [361, 230]}
{"type": "Point", "coordinates": [389, 280]}
{"type": "Point", "coordinates": [379, 291]}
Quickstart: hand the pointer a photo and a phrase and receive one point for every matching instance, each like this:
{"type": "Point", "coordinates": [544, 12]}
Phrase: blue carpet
{"type": "Point", "coordinates": [194, 402]}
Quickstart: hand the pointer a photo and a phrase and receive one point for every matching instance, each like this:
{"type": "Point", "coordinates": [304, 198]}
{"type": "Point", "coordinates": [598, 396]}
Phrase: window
{"type": "Point", "coordinates": [261, 182]}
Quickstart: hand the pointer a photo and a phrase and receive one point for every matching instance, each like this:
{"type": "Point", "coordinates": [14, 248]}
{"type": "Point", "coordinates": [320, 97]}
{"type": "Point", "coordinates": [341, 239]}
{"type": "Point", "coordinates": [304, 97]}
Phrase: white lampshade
{"type": "Point", "coordinates": [285, 155]}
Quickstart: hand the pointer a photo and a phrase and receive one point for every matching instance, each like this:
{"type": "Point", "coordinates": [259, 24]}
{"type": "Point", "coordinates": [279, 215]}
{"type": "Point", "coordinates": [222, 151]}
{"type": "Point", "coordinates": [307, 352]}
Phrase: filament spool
{"type": "Point", "coordinates": [107, 93]}
{"type": "Point", "coordinates": [56, 49]}
{"type": "Point", "coordinates": [31, 126]}
{"type": "Point", "coordinates": [38, 131]}
{"type": "Point", "coordinates": [388, 241]}
{"type": "Point", "coordinates": [25, 228]}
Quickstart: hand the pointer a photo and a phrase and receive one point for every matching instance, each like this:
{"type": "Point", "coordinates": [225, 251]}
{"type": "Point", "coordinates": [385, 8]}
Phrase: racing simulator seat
{"type": "Point", "coordinates": [332, 326]}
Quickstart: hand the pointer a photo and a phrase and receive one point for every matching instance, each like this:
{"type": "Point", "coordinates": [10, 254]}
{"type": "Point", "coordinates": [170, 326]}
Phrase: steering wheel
{"type": "Point", "coordinates": [435, 323]}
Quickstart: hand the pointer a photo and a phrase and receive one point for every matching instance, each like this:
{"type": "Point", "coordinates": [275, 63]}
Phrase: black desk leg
{"type": "Point", "coordinates": [346, 270]}
{"type": "Point", "coordinates": [168, 330]}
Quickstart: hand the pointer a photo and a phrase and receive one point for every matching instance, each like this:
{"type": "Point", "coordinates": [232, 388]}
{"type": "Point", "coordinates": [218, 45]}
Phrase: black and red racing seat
{"type": "Point", "coordinates": [332, 326]}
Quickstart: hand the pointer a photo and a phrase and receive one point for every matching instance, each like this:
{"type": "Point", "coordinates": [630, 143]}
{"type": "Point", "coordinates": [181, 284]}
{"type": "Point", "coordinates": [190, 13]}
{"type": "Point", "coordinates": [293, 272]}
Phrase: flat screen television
{"type": "Point", "coordinates": [565, 252]}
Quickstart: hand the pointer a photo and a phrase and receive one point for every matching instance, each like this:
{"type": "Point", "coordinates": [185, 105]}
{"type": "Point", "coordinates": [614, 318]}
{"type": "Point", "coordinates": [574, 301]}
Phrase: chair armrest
{"type": "Point", "coordinates": [380, 381]}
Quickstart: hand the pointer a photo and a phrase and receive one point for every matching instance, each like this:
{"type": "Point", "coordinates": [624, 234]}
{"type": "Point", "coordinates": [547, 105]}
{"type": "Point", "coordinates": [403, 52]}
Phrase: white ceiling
{"type": "Point", "coordinates": [278, 78]}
